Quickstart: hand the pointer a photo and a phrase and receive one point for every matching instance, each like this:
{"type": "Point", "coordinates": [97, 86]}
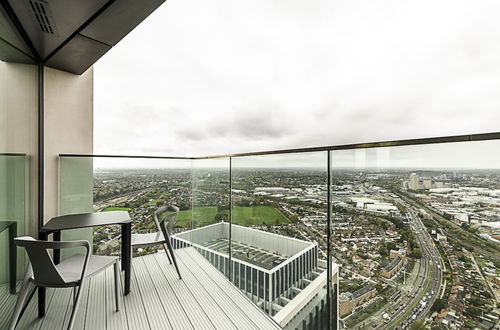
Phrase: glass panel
{"type": "Point", "coordinates": [278, 214]}
{"type": "Point", "coordinates": [136, 185]}
{"type": "Point", "coordinates": [206, 224]}
{"type": "Point", "coordinates": [416, 231]}
{"type": "Point", "coordinates": [13, 222]}
{"type": "Point", "coordinates": [75, 196]}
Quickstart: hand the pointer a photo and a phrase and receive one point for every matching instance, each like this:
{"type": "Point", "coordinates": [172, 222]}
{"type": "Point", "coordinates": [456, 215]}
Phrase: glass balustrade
{"type": "Point", "coordinates": [345, 238]}
{"type": "Point", "coordinates": [13, 223]}
{"type": "Point", "coordinates": [413, 228]}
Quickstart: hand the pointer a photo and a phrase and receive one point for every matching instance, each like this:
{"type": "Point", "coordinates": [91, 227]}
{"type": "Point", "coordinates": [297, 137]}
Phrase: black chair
{"type": "Point", "coordinates": [164, 218]}
{"type": "Point", "coordinates": [72, 272]}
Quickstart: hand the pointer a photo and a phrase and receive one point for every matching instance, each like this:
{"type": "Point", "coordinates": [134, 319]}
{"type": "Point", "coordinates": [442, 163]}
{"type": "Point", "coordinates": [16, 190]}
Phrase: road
{"type": "Point", "coordinates": [429, 281]}
{"type": "Point", "coordinates": [426, 285]}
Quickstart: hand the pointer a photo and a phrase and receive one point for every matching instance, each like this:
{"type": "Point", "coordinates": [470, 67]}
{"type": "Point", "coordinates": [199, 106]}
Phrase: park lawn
{"type": "Point", "coordinates": [258, 215]}
{"type": "Point", "coordinates": [242, 215]}
{"type": "Point", "coordinates": [156, 201]}
{"type": "Point", "coordinates": [204, 215]}
{"type": "Point", "coordinates": [114, 208]}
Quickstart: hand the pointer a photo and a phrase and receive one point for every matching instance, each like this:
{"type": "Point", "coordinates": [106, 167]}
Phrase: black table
{"type": "Point", "coordinates": [85, 220]}
{"type": "Point", "coordinates": [12, 226]}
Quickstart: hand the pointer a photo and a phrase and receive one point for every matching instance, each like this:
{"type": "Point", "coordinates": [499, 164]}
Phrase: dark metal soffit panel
{"type": "Point", "coordinates": [9, 53]}
{"type": "Point", "coordinates": [119, 19]}
{"type": "Point", "coordinates": [12, 46]}
{"type": "Point", "coordinates": [78, 55]}
{"type": "Point", "coordinates": [71, 35]}
{"type": "Point", "coordinates": [49, 23]}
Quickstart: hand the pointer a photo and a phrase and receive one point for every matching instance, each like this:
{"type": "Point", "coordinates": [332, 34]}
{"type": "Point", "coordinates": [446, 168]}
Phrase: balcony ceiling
{"type": "Point", "coordinates": [69, 35]}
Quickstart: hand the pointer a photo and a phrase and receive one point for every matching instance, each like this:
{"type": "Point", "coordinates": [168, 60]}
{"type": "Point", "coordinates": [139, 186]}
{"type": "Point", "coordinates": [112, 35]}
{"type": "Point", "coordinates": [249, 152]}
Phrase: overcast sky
{"type": "Point", "coordinates": [211, 77]}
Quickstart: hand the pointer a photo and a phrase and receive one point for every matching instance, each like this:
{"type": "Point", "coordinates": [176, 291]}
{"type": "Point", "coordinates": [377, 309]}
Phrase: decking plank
{"type": "Point", "coordinates": [168, 299]}
{"type": "Point", "coordinates": [203, 299]}
{"type": "Point", "coordinates": [157, 317]}
{"type": "Point", "coordinates": [252, 311]}
{"type": "Point", "coordinates": [82, 309]}
{"type": "Point", "coordinates": [210, 303]}
{"type": "Point", "coordinates": [134, 307]}
{"type": "Point", "coordinates": [95, 318]}
{"type": "Point", "coordinates": [7, 303]}
{"type": "Point", "coordinates": [57, 308]}
{"type": "Point", "coordinates": [114, 319]}
{"type": "Point", "coordinates": [238, 316]}
{"type": "Point", "coordinates": [195, 312]}
{"type": "Point", "coordinates": [30, 318]}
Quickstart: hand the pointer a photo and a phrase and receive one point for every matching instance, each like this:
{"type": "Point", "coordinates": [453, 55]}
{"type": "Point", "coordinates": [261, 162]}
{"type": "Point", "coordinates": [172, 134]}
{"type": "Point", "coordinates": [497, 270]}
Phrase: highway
{"type": "Point", "coordinates": [408, 306]}
{"type": "Point", "coordinates": [429, 280]}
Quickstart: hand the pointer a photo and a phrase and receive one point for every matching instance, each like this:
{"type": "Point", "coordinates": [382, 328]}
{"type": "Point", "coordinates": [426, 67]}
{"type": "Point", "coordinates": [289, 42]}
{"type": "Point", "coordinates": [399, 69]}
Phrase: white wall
{"type": "Point", "coordinates": [68, 125]}
{"type": "Point", "coordinates": [18, 175]}
{"type": "Point", "coordinates": [18, 124]}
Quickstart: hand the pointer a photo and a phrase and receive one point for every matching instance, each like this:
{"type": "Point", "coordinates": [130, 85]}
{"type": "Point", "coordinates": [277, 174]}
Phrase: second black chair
{"type": "Point", "coordinates": [164, 218]}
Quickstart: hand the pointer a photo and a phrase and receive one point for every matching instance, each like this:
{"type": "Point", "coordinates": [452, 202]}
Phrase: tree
{"type": "Point", "coordinates": [438, 305]}
{"type": "Point", "coordinates": [391, 246]}
{"type": "Point", "coordinates": [417, 325]}
{"type": "Point", "coordinates": [383, 251]}
{"type": "Point", "coordinates": [417, 253]}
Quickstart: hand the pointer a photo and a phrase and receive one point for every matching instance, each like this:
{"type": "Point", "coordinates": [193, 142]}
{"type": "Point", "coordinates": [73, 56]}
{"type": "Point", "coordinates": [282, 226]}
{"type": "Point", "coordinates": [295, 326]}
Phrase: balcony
{"type": "Point", "coordinates": [253, 233]}
{"type": "Point", "coordinates": [203, 299]}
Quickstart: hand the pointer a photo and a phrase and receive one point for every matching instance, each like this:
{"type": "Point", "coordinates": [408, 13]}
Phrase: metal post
{"type": "Point", "coordinates": [230, 214]}
{"type": "Point", "coordinates": [41, 149]}
{"type": "Point", "coordinates": [41, 174]}
{"type": "Point", "coordinates": [328, 242]}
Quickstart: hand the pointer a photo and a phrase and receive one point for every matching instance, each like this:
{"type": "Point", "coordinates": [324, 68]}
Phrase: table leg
{"type": "Point", "coordinates": [12, 257]}
{"type": "Point", "coordinates": [41, 290]}
{"type": "Point", "coordinates": [126, 254]}
{"type": "Point", "coordinates": [57, 252]}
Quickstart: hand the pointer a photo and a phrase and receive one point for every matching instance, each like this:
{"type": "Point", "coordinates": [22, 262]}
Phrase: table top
{"type": "Point", "coordinates": [5, 224]}
{"type": "Point", "coordinates": [83, 220]}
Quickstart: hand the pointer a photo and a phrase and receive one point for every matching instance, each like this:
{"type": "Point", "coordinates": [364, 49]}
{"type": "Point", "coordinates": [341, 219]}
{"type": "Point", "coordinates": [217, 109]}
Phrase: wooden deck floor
{"type": "Point", "coordinates": [203, 299]}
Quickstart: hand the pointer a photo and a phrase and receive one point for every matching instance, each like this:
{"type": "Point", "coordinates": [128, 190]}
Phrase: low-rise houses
{"type": "Point", "coordinates": [349, 301]}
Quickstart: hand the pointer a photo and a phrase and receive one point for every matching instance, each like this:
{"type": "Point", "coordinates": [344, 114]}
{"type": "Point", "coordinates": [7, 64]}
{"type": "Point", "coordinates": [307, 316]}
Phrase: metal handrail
{"type": "Point", "coordinates": [382, 144]}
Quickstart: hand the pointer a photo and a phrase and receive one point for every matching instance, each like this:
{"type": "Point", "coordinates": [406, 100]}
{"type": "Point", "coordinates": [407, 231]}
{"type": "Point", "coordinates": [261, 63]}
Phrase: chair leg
{"type": "Point", "coordinates": [117, 285]}
{"type": "Point", "coordinates": [22, 300]}
{"type": "Point", "coordinates": [75, 306]}
{"type": "Point", "coordinates": [165, 247]}
{"type": "Point", "coordinates": [169, 245]}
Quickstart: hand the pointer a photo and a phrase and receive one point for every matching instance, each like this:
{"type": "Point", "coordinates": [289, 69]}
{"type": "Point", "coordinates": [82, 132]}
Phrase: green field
{"type": "Point", "coordinates": [242, 215]}
{"type": "Point", "coordinates": [156, 201]}
{"type": "Point", "coordinates": [113, 208]}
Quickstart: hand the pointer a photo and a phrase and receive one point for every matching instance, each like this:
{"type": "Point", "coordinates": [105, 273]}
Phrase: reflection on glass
{"type": "Point", "coordinates": [416, 231]}
{"type": "Point", "coordinates": [13, 205]}
{"type": "Point", "coordinates": [138, 186]}
{"type": "Point", "coordinates": [278, 235]}
{"type": "Point", "coordinates": [207, 222]}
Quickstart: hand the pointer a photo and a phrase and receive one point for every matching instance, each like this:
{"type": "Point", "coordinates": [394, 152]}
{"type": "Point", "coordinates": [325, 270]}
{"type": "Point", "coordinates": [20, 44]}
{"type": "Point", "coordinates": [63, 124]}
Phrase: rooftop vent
{"type": "Point", "coordinates": [44, 16]}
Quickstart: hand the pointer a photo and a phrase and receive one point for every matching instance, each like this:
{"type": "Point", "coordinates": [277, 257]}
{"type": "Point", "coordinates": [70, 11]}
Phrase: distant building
{"type": "Point", "coordinates": [427, 183]}
{"type": "Point", "coordinates": [349, 301]}
{"type": "Point", "coordinates": [414, 182]}
{"type": "Point", "coordinates": [392, 268]}
{"type": "Point", "coordinates": [401, 253]}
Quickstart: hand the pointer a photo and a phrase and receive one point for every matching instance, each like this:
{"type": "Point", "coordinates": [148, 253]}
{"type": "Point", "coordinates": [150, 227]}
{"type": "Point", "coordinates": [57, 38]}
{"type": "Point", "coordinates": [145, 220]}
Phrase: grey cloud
{"type": "Point", "coordinates": [307, 73]}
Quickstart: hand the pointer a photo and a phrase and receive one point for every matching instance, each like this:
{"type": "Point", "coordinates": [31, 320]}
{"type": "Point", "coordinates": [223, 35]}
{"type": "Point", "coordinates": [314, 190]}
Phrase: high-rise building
{"type": "Point", "coordinates": [414, 182]}
{"type": "Point", "coordinates": [282, 275]}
